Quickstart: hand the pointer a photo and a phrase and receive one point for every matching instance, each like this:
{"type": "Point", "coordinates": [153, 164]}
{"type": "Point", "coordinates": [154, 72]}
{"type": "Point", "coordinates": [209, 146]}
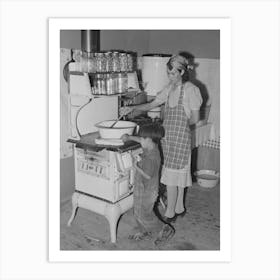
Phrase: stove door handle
{"type": "Point", "coordinates": [137, 128]}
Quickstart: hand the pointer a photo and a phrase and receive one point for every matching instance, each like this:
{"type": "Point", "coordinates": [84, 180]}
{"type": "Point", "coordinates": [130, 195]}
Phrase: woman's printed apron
{"type": "Point", "coordinates": [176, 144]}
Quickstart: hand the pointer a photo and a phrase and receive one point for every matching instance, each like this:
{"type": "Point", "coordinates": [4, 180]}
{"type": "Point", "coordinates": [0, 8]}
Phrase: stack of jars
{"type": "Point", "coordinates": [109, 83]}
{"type": "Point", "coordinates": [109, 70]}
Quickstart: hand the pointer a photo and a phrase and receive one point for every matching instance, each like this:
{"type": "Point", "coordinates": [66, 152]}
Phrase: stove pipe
{"type": "Point", "coordinates": [90, 41]}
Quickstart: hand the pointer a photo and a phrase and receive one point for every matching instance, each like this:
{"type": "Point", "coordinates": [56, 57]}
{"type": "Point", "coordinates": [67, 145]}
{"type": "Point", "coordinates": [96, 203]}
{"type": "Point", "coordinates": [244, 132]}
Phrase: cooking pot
{"type": "Point", "coordinates": [154, 113]}
{"type": "Point", "coordinates": [115, 132]}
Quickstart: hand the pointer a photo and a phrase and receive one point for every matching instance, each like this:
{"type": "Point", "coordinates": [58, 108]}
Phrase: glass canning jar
{"type": "Point", "coordinates": [108, 62]}
{"type": "Point", "coordinates": [100, 62]}
{"type": "Point", "coordinates": [123, 62]}
{"type": "Point", "coordinates": [130, 62]}
{"type": "Point", "coordinates": [116, 62]}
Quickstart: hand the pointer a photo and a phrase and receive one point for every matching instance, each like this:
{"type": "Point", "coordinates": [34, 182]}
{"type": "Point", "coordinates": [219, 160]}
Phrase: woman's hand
{"type": "Point", "coordinates": [126, 110]}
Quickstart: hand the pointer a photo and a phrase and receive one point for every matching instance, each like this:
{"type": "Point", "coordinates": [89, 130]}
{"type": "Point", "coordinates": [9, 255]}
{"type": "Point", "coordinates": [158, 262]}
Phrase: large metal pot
{"type": "Point", "coordinates": [154, 73]}
{"type": "Point", "coordinates": [115, 132]}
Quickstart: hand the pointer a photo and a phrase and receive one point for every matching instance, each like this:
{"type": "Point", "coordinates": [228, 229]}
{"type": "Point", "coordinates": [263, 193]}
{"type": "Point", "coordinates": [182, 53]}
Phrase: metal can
{"type": "Point", "coordinates": [97, 84]}
{"type": "Point", "coordinates": [123, 62]}
{"type": "Point", "coordinates": [95, 87]}
{"type": "Point", "coordinates": [114, 82]}
{"type": "Point", "coordinates": [109, 84]}
{"type": "Point", "coordinates": [116, 62]}
{"type": "Point", "coordinates": [125, 82]}
{"type": "Point", "coordinates": [103, 85]}
{"type": "Point", "coordinates": [121, 82]}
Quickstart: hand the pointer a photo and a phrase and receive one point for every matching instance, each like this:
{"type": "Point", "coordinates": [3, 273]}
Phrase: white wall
{"type": "Point", "coordinates": [129, 40]}
{"type": "Point", "coordinates": [200, 43]}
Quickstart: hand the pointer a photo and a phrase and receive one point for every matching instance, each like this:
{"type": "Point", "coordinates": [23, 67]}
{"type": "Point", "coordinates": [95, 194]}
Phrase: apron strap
{"type": "Point", "coordinates": [180, 97]}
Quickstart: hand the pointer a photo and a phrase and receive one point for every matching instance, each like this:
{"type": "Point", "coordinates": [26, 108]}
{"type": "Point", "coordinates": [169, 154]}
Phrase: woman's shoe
{"type": "Point", "coordinates": [168, 220]}
{"type": "Point", "coordinates": [182, 214]}
{"type": "Point", "coordinates": [140, 236]}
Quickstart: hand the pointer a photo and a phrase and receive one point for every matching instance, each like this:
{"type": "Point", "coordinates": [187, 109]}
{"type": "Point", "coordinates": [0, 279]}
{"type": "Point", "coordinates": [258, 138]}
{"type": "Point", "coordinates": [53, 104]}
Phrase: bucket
{"type": "Point", "coordinates": [207, 178]}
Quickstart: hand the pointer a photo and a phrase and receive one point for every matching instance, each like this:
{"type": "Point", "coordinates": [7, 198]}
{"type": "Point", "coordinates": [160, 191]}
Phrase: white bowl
{"type": "Point", "coordinates": [115, 132]}
{"type": "Point", "coordinates": [207, 178]}
{"type": "Point", "coordinates": [154, 113]}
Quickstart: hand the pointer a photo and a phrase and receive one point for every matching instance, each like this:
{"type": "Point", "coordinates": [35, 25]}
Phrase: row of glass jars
{"type": "Point", "coordinates": [106, 62]}
{"type": "Point", "coordinates": [110, 83]}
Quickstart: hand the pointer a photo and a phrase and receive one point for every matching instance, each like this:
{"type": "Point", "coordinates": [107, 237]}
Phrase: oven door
{"type": "Point", "coordinates": [123, 187]}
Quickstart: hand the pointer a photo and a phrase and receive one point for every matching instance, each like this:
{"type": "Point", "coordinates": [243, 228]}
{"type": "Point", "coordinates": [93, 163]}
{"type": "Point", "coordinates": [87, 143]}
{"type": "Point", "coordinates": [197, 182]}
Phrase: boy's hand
{"type": "Point", "coordinates": [134, 162]}
{"type": "Point", "coordinates": [125, 137]}
{"type": "Point", "coordinates": [136, 158]}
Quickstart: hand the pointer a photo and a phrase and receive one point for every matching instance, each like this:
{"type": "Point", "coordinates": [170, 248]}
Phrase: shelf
{"type": "Point", "coordinates": [110, 95]}
{"type": "Point", "coordinates": [126, 93]}
{"type": "Point", "coordinates": [106, 95]}
{"type": "Point", "coordinates": [92, 74]}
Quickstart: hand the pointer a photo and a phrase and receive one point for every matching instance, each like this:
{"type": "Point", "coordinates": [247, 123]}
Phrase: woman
{"type": "Point", "coordinates": [182, 101]}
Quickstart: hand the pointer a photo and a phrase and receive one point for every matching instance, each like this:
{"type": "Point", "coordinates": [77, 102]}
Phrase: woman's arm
{"type": "Point", "coordinates": [195, 116]}
{"type": "Point", "coordinates": [127, 137]}
{"type": "Point", "coordinates": [159, 100]}
{"type": "Point", "coordinates": [142, 107]}
{"type": "Point", "coordinates": [192, 103]}
{"type": "Point", "coordinates": [147, 106]}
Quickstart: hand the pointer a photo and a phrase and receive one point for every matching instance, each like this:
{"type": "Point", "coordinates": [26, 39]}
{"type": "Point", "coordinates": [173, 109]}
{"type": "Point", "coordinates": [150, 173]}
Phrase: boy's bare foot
{"type": "Point", "coordinates": [164, 235]}
{"type": "Point", "coordinates": [140, 236]}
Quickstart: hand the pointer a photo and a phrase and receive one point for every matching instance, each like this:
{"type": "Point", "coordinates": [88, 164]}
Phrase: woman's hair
{"type": "Point", "coordinates": [181, 64]}
{"type": "Point", "coordinates": [153, 131]}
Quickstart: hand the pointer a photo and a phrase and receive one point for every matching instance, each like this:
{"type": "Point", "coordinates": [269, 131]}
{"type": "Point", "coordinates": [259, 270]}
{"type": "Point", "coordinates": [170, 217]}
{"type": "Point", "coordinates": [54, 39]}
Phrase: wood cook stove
{"type": "Point", "coordinates": [104, 178]}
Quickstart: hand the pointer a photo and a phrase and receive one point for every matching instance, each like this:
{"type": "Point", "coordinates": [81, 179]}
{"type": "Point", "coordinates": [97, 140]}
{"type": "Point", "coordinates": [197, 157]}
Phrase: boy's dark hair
{"type": "Point", "coordinates": [153, 131]}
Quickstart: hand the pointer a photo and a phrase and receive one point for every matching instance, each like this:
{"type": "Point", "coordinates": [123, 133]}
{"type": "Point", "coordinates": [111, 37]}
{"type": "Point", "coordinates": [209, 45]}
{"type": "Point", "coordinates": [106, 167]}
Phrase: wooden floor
{"type": "Point", "coordinates": [199, 229]}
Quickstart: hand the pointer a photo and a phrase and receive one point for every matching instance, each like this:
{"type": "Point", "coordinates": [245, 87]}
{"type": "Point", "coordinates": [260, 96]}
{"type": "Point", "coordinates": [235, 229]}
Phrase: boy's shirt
{"type": "Point", "coordinates": [150, 164]}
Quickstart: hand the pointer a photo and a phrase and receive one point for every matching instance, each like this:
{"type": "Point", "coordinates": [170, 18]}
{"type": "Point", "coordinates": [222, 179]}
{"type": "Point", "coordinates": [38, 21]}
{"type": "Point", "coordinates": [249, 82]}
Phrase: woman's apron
{"type": "Point", "coordinates": [176, 144]}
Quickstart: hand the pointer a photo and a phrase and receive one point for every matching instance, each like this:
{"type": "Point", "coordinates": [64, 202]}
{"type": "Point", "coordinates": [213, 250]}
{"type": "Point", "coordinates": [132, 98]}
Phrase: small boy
{"type": "Point", "coordinates": [146, 186]}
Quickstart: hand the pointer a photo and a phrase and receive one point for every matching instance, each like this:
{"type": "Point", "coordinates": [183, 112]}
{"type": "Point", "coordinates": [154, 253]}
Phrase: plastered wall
{"type": "Point", "coordinates": [201, 43]}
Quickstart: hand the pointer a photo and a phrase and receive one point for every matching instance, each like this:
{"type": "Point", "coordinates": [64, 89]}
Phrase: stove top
{"type": "Point", "coordinates": [87, 142]}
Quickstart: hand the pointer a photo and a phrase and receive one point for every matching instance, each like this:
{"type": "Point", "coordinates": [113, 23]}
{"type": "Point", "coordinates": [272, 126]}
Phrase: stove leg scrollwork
{"type": "Point", "coordinates": [111, 211]}
{"type": "Point", "coordinates": [75, 198]}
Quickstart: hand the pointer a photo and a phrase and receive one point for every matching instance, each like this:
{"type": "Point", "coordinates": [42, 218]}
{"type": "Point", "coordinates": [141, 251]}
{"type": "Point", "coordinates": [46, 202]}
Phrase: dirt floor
{"type": "Point", "coordinates": [199, 229]}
